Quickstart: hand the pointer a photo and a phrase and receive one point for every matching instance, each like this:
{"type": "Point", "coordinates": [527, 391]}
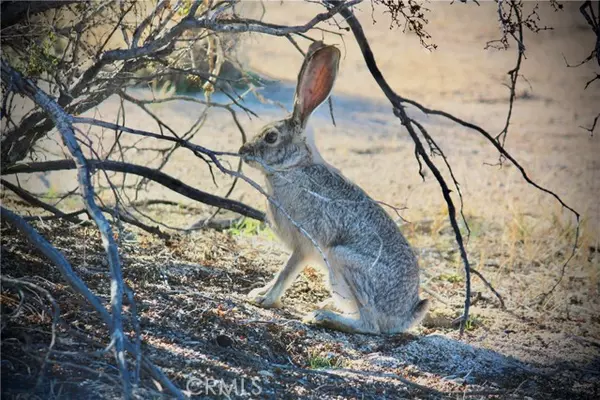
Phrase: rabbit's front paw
{"type": "Point", "coordinates": [263, 297]}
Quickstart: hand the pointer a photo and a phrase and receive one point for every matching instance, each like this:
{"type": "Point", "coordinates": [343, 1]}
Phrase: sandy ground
{"type": "Point", "coordinates": [521, 236]}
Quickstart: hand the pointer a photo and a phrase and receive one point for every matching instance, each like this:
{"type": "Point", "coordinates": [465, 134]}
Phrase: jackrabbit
{"type": "Point", "coordinates": [372, 271]}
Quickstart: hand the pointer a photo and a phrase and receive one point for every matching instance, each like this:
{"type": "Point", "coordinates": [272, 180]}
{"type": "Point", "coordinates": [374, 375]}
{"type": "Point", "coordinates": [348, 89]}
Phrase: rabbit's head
{"type": "Point", "coordinates": [284, 144]}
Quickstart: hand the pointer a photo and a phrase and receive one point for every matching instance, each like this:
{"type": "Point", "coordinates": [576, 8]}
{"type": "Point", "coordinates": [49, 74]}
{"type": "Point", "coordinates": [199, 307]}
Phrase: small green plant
{"type": "Point", "coordinates": [473, 323]}
{"type": "Point", "coordinates": [316, 360]}
{"type": "Point", "coordinates": [251, 227]}
{"type": "Point", "coordinates": [51, 193]}
{"type": "Point", "coordinates": [452, 278]}
{"type": "Point", "coordinates": [40, 56]}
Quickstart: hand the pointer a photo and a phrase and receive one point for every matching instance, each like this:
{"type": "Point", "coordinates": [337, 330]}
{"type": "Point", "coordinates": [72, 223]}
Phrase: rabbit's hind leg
{"type": "Point", "coordinates": [355, 316]}
{"type": "Point", "coordinates": [342, 322]}
{"type": "Point", "coordinates": [328, 304]}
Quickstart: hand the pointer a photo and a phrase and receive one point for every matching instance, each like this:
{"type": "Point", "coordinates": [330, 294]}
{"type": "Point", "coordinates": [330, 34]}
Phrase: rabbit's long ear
{"type": "Point", "coordinates": [315, 80]}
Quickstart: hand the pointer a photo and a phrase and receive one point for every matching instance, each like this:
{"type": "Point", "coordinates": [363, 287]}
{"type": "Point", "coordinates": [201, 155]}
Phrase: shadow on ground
{"type": "Point", "coordinates": [197, 327]}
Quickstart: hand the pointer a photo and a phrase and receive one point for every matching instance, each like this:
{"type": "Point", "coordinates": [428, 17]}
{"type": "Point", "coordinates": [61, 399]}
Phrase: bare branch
{"type": "Point", "coordinates": [156, 176]}
{"type": "Point", "coordinates": [437, 148]}
{"type": "Point", "coordinates": [161, 5]}
{"type": "Point", "coordinates": [489, 286]}
{"type": "Point", "coordinates": [513, 73]}
{"type": "Point", "coordinates": [57, 258]}
{"type": "Point", "coordinates": [593, 126]}
{"type": "Point", "coordinates": [128, 218]}
{"type": "Point", "coordinates": [80, 287]}
{"type": "Point", "coordinates": [55, 316]}
{"type": "Point", "coordinates": [63, 124]}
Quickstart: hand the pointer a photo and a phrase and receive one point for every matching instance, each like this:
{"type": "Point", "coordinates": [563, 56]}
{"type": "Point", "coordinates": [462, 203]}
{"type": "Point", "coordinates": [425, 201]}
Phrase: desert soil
{"type": "Point", "coordinates": [190, 289]}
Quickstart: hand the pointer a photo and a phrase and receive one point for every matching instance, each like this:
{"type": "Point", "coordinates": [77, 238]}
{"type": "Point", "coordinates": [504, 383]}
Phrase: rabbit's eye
{"type": "Point", "coordinates": [271, 137]}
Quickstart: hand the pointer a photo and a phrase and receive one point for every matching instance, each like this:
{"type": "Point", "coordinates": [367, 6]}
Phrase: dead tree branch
{"type": "Point", "coordinates": [62, 122]}
{"type": "Point", "coordinates": [156, 176]}
{"type": "Point", "coordinates": [64, 267]}
{"type": "Point", "coordinates": [400, 112]}
{"type": "Point", "coordinates": [513, 73]}
{"type": "Point", "coordinates": [55, 316]}
{"type": "Point", "coordinates": [129, 219]}
{"type": "Point", "coordinates": [489, 286]}
{"type": "Point", "coordinates": [34, 201]}
{"type": "Point", "coordinates": [592, 127]}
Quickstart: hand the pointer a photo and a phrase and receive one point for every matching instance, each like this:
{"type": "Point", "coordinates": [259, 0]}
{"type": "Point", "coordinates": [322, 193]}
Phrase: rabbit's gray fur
{"type": "Point", "coordinates": [372, 271]}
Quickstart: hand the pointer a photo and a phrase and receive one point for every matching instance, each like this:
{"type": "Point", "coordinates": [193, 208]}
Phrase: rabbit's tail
{"type": "Point", "coordinates": [419, 311]}
{"type": "Point", "coordinates": [415, 316]}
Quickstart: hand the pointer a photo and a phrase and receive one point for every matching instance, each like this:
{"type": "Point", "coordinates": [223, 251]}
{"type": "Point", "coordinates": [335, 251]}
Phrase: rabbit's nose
{"type": "Point", "coordinates": [244, 150]}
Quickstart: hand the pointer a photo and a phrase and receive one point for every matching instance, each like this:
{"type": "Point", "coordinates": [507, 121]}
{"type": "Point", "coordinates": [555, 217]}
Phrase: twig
{"type": "Point", "coordinates": [433, 143]}
{"type": "Point", "coordinates": [401, 113]}
{"type": "Point", "coordinates": [489, 286]}
{"type": "Point", "coordinates": [57, 259]}
{"type": "Point", "coordinates": [435, 295]}
{"type": "Point", "coordinates": [513, 73]}
{"type": "Point", "coordinates": [593, 127]}
{"type": "Point", "coordinates": [129, 219]}
{"type": "Point", "coordinates": [138, 334]}
{"type": "Point", "coordinates": [239, 167]}
{"type": "Point", "coordinates": [55, 317]}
